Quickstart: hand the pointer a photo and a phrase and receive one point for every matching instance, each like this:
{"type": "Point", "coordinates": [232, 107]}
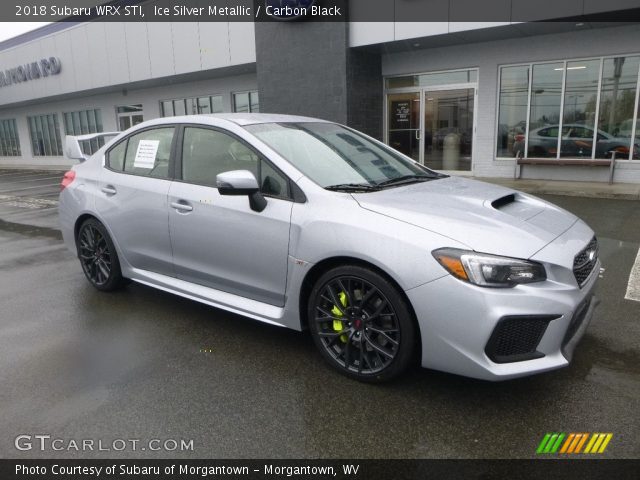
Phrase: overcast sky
{"type": "Point", "coordinates": [10, 30]}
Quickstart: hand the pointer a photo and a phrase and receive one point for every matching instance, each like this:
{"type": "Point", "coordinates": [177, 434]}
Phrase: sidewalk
{"type": "Point", "coordinates": [619, 191]}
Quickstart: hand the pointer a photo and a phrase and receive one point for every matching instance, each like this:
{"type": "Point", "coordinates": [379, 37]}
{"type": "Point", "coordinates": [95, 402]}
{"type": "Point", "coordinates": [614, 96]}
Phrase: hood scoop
{"type": "Point", "coordinates": [503, 201]}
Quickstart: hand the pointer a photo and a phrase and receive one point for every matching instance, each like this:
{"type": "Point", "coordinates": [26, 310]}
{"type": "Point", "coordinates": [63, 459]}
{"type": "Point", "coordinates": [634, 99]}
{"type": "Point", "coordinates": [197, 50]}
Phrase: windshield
{"type": "Point", "coordinates": [335, 156]}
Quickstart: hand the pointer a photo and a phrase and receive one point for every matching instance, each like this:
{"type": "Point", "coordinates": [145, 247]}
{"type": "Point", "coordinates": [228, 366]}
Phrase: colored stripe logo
{"type": "Point", "coordinates": [574, 443]}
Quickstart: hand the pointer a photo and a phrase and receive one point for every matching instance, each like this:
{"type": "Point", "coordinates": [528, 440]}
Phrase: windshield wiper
{"type": "Point", "coordinates": [407, 179]}
{"type": "Point", "coordinates": [353, 187]}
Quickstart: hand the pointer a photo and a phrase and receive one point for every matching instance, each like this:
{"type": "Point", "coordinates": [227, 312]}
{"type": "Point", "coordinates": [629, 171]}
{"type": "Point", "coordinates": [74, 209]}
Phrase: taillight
{"type": "Point", "coordinates": [68, 178]}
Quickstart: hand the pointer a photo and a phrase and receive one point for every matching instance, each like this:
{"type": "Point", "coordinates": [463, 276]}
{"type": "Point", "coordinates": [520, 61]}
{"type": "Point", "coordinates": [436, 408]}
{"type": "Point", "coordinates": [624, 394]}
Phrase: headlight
{"type": "Point", "coordinates": [489, 270]}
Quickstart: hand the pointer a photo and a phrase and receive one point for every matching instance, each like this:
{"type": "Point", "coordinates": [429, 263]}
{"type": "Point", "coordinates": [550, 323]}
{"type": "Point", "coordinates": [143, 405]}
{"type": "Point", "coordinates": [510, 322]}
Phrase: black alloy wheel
{"type": "Point", "coordinates": [98, 256]}
{"type": "Point", "coordinates": [361, 324]}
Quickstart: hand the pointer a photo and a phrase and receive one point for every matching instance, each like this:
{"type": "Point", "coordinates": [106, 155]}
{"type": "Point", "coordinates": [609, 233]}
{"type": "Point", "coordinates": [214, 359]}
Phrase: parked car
{"type": "Point", "coordinates": [577, 141]}
{"type": "Point", "coordinates": [307, 224]}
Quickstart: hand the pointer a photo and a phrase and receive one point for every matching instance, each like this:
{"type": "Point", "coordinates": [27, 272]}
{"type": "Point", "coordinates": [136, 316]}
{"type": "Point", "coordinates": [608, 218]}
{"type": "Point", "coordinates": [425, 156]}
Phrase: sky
{"type": "Point", "coordinates": [10, 30]}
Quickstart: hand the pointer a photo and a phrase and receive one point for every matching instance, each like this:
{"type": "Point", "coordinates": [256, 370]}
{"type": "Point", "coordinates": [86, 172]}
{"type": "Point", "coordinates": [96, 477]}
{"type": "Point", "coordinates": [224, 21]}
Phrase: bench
{"type": "Point", "coordinates": [599, 162]}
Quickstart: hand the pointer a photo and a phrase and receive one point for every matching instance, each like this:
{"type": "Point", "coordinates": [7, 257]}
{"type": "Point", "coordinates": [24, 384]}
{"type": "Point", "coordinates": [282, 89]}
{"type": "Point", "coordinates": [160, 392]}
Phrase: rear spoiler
{"type": "Point", "coordinates": [72, 148]}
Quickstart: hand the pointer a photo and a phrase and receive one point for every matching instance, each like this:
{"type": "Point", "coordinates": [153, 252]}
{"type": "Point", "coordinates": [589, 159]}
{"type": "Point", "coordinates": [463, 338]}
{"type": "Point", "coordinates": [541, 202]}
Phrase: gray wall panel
{"type": "Point", "coordinates": [161, 54]}
{"type": "Point", "coordinates": [67, 78]}
{"type": "Point", "coordinates": [527, 11]}
{"type": "Point", "coordinates": [214, 45]}
{"type": "Point", "coordinates": [302, 68]}
{"type": "Point", "coordinates": [186, 47]}
{"type": "Point", "coordinates": [114, 53]}
{"type": "Point", "coordinates": [598, 6]}
{"type": "Point", "coordinates": [81, 59]}
{"type": "Point", "coordinates": [138, 51]}
{"type": "Point", "coordinates": [242, 42]}
{"type": "Point", "coordinates": [117, 54]}
{"type": "Point", "coordinates": [98, 56]}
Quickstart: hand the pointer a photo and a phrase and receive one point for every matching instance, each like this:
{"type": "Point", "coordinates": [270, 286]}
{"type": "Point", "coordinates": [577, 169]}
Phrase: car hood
{"type": "Point", "coordinates": [487, 218]}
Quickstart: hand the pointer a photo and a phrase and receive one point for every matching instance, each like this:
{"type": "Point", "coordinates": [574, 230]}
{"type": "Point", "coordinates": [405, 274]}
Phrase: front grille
{"type": "Point", "coordinates": [516, 338]}
{"type": "Point", "coordinates": [585, 261]}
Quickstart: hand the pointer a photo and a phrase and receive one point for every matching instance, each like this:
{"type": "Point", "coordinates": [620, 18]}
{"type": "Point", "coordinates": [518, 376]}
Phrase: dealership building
{"type": "Point", "coordinates": [467, 97]}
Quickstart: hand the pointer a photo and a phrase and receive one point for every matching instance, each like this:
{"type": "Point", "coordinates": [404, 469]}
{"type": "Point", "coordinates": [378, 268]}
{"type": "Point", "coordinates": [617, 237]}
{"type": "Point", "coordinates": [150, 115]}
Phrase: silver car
{"type": "Point", "coordinates": [307, 224]}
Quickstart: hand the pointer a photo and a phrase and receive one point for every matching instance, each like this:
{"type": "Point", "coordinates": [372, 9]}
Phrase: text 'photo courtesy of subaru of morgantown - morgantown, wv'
{"type": "Point", "coordinates": [307, 224]}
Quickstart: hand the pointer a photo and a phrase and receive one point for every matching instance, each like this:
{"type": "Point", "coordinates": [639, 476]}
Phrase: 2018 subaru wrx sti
{"type": "Point", "coordinates": [304, 223]}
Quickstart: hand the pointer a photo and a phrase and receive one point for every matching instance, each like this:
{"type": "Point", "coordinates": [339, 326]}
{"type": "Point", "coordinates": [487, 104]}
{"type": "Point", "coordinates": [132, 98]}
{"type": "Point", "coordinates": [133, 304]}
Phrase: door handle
{"type": "Point", "coordinates": [182, 207]}
{"type": "Point", "coordinates": [417, 134]}
{"type": "Point", "coordinates": [109, 190]}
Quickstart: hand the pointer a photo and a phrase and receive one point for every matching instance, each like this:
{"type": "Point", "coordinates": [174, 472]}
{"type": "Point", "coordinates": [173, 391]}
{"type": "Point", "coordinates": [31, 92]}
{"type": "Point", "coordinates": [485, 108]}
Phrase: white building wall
{"type": "Point", "coordinates": [95, 55]}
{"type": "Point", "coordinates": [489, 56]}
{"type": "Point", "coordinates": [149, 98]}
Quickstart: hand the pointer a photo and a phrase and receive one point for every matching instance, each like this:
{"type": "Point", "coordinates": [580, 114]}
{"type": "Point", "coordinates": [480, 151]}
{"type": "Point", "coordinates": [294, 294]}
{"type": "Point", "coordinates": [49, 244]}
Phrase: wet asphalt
{"type": "Point", "coordinates": [143, 364]}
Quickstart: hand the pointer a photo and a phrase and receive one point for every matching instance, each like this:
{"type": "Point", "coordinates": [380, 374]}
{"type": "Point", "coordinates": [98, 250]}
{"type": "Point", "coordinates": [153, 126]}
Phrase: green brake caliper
{"type": "Point", "coordinates": [336, 312]}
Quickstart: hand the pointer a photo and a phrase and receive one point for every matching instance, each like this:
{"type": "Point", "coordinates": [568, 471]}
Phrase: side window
{"type": "Point", "coordinates": [272, 182]}
{"type": "Point", "coordinates": [115, 157]}
{"type": "Point", "coordinates": [549, 132]}
{"type": "Point", "coordinates": [206, 153]}
{"type": "Point", "coordinates": [581, 132]}
{"type": "Point", "coordinates": [148, 153]}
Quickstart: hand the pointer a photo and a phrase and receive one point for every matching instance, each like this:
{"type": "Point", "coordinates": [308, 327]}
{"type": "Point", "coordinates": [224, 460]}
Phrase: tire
{"type": "Point", "coordinates": [361, 324]}
{"type": "Point", "coordinates": [98, 257]}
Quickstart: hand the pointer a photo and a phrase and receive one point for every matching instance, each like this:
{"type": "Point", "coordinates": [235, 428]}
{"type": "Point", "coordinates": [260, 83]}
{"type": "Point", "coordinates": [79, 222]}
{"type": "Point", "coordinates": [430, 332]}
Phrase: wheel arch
{"type": "Point", "coordinates": [79, 221]}
{"type": "Point", "coordinates": [327, 264]}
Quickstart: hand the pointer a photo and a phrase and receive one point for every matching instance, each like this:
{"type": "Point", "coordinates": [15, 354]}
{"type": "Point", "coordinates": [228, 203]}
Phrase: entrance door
{"type": "Point", "coordinates": [404, 123]}
{"type": "Point", "coordinates": [448, 128]}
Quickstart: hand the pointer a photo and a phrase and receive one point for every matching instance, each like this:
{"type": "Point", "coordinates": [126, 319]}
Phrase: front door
{"type": "Point", "coordinates": [431, 117]}
{"type": "Point", "coordinates": [448, 129]}
{"type": "Point", "coordinates": [219, 241]}
{"type": "Point", "coordinates": [404, 123]}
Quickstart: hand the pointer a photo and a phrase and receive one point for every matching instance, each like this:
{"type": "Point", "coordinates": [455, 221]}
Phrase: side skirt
{"type": "Point", "coordinates": [225, 301]}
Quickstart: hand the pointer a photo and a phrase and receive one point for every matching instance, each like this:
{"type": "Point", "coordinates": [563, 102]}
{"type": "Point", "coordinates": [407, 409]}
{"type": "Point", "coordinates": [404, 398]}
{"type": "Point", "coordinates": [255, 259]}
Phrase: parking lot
{"type": "Point", "coordinates": [143, 364]}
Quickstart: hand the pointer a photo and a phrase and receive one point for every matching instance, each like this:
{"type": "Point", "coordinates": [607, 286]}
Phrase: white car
{"type": "Point", "coordinates": [307, 224]}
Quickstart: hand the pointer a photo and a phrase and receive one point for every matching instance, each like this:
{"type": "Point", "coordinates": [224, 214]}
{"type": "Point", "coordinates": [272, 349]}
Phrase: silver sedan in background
{"type": "Point", "coordinates": [307, 224]}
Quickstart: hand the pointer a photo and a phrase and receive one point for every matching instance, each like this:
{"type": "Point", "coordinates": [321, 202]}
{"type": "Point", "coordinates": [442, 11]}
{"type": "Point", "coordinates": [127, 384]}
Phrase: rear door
{"type": "Point", "coordinates": [132, 197]}
{"type": "Point", "coordinates": [219, 241]}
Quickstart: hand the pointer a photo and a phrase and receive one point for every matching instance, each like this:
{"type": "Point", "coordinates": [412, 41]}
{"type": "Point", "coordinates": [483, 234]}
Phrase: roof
{"type": "Point", "coordinates": [244, 119]}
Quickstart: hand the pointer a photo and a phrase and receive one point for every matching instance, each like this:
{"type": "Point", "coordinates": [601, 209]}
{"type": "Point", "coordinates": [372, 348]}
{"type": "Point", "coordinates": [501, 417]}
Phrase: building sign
{"type": "Point", "coordinates": [30, 71]}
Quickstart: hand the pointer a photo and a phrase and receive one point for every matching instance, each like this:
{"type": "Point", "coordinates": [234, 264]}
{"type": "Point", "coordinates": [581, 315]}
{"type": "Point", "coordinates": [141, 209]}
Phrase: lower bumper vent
{"type": "Point", "coordinates": [516, 338]}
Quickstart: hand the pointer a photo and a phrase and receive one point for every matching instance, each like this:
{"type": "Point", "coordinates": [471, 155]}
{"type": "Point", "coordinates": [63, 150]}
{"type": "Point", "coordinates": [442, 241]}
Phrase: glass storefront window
{"type": "Point", "coordinates": [191, 106]}
{"type": "Point", "coordinates": [129, 116]}
{"type": "Point", "coordinates": [544, 118]}
{"type": "Point", "coordinates": [617, 106]}
{"type": "Point", "coordinates": [246, 102]}
{"type": "Point", "coordinates": [433, 79]}
{"type": "Point", "coordinates": [9, 140]}
{"type": "Point", "coordinates": [605, 88]}
{"type": "Point", "coordinates": [84, 122]}
{"type": "Point", "coordinates": [512, 116]}
{"type": "Point", "coordinates": [636, 138]}
{"type": "Point", "coordinates": [45, 135]}
{"type": "Point", "coordinates": [579, 115]}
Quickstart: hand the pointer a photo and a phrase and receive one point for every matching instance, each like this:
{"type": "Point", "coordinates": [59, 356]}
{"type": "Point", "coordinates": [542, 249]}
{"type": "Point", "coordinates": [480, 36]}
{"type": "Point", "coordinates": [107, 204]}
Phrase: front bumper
{"type": "Point", "coordinates": [458, 320]}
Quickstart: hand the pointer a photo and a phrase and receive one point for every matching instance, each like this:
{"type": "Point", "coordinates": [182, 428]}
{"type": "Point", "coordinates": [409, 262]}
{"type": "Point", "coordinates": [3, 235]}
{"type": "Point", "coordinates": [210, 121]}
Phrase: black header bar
{"type": "Point", "coordinates": [319, 10]}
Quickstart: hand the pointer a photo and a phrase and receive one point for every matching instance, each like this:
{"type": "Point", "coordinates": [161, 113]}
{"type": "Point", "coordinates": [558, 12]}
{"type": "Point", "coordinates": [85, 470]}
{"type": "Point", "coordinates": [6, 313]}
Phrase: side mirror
{"type": "Point", "coordinates": [242, 183]}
